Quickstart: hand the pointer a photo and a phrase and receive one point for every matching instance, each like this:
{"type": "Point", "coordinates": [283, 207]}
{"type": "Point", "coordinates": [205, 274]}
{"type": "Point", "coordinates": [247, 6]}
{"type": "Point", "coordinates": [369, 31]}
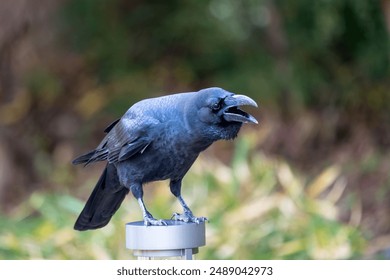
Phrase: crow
{"type": "Point", "coordinates": [158, 139]}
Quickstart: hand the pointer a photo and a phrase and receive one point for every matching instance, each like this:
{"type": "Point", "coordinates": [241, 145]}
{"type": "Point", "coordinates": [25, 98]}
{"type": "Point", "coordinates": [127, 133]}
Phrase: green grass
{"type": "Point", "coordinates": [258, 208]}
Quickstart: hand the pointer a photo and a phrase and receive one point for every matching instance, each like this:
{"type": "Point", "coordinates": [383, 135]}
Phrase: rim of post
{"type": "Point", "coordinates": [176, 239]}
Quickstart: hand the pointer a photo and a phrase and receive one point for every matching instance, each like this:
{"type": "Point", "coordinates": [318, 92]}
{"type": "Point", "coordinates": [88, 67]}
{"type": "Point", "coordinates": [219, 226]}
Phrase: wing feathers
{"type": "Point", "coordinates": [133, 148]}
{"type": "Point", "coordinates": [124, 140]}
{"type": "Point", "coordinates": [110, 126]}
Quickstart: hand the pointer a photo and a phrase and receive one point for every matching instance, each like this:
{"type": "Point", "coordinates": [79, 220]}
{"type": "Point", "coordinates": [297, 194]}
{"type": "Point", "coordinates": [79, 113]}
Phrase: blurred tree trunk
{"type": "Point", "coordinates": [386, 13]}
{"type": "Point", "coordinates": [278, 47]}
{"type": "Point", "coordinates": [26, 31]}
{"type": "Point", "coordinates": [14, 26]}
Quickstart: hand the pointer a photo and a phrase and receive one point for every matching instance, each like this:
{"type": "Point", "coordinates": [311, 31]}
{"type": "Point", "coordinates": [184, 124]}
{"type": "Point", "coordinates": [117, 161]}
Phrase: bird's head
{"type": "Point", "coordinates": [219, 112]}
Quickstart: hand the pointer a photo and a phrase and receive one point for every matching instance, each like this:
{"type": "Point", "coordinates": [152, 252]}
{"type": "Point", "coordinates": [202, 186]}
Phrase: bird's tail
{"type": "Point", "coordinates": [104, 201]}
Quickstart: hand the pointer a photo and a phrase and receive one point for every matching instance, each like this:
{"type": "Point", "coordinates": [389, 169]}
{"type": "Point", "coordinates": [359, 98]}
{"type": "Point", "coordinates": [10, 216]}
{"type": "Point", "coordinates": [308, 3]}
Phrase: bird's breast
{"type": "Point", "coordinates": [167, 157]}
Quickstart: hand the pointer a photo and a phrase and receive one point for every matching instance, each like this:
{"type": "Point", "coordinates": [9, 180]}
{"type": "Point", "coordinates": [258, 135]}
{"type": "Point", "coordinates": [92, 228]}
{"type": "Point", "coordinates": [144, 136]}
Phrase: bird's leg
{"type": "Point", "coordinates": [187, 215]}
{"type": "Point", "coordinates": [148, 218]}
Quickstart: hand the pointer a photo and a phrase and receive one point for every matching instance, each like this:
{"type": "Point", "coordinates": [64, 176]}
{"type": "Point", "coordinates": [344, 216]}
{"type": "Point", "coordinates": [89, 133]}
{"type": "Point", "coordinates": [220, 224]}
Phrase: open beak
{"type": "Point", "coordinates": [232, 113]}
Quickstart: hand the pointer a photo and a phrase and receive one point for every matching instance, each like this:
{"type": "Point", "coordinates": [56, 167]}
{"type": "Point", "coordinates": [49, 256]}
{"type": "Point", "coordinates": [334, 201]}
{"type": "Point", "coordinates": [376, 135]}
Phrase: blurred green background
{"type": "Point", "coordinates": [311, 181]}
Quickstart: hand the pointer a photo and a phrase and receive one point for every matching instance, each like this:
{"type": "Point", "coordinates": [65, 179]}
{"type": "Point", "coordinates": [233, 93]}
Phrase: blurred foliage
{"type": "Point", "coordinates": [340, 53]}
{"type": "Point", "coordinates": [329, 53]}
{"type": "Point", "coordinates": [258, 209]}
{"type": "Point", "coordinates": [75, 65]}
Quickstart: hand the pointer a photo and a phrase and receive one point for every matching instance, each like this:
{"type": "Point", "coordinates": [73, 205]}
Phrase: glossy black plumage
{"type": "Point", "coordinates": [158, 139]}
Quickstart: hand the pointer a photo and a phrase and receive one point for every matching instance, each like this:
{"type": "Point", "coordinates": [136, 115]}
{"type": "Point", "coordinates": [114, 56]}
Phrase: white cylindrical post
{"type": "Point", "coordinates": [175, 240]}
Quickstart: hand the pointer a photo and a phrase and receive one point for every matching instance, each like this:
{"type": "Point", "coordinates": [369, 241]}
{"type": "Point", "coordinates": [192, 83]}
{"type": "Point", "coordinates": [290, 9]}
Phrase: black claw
{"type": "Point", "coordinates": [174, 215]}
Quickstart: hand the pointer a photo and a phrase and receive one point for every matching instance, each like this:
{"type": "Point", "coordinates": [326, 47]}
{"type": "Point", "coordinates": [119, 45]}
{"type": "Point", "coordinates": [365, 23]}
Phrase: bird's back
{"type": "Point", "coordinates": [164, 108]}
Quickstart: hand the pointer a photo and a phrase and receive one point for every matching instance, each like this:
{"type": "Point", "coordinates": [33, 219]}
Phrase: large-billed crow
{"type": "Point", "coordinates": [158, 139]}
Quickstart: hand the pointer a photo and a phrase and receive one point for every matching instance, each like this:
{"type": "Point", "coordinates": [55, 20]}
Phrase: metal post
{"type": "Point", "coordinates": [176, 240]}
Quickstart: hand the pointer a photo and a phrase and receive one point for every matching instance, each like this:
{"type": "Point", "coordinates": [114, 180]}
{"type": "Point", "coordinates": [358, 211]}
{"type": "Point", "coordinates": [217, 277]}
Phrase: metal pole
{"type": "Point", "coordinates": [176, 240]}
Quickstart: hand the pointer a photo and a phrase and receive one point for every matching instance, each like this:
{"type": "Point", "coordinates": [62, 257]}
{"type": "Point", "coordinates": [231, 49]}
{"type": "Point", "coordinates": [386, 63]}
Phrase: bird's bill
{"type": "Point", "coordinates": [232, 112]}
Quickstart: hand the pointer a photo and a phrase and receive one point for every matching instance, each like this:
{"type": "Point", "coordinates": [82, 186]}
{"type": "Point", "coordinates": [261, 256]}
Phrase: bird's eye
{"type": "Point", "coordinates": [216, 106]}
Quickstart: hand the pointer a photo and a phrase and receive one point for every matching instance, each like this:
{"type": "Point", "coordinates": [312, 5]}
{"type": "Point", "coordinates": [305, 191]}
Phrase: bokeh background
{"type": "Point", "coordinates": [311, 181]}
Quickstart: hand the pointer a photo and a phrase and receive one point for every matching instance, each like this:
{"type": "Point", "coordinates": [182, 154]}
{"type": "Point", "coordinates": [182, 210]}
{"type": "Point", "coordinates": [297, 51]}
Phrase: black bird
{"type": "Point", "coordinates": [158, 139]}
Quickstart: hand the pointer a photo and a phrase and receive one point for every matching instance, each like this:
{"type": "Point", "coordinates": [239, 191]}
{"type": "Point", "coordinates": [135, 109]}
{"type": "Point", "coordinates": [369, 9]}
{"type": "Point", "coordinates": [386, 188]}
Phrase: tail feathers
{"type": "Point", "coordinates": [104, 201]}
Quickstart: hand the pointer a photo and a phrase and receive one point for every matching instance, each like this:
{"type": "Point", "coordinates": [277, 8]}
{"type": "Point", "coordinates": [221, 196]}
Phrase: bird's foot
{"type": "Point", "coordinates": [188, 218]}
{"type": "Point", "coordinates": [150, 221]}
